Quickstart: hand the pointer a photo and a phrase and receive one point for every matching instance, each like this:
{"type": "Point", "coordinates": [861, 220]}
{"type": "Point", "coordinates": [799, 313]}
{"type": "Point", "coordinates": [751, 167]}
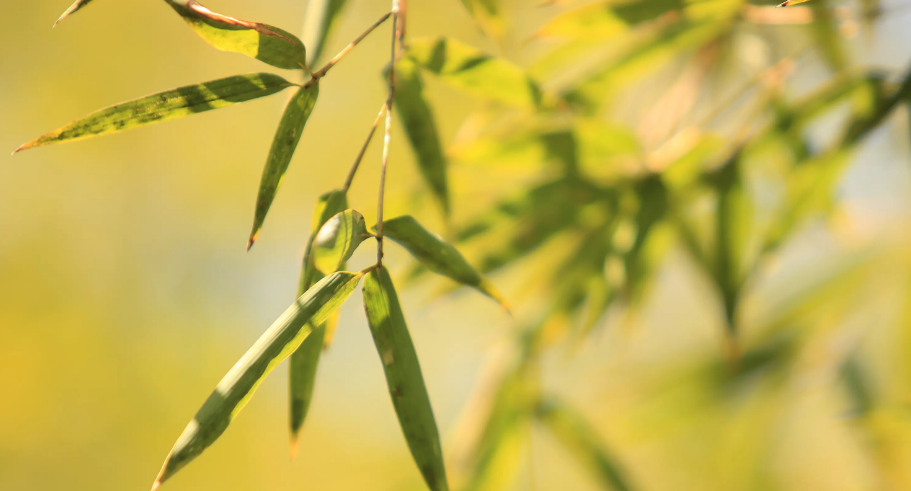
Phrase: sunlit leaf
{"type": "Point", "coordinates": [288, 135]}
{"type": "Point", "coordinates": [582, 441]}
{"type": "Point", "coordinates": [420, 127]}
{"type": "Point", "coordinates": [75, 7]}
{"type": "Point", "coordinates": [164, 106]}
{"type": "Point", "coordinates": [437, 255]}
{"type": "Point", "coordinates": [478, 74]}
{"type": "Point", "coordinates": [268, 44]}
{"type": "Point", "coordinates": [304, 362]}
{"type": "Point", "coordinates": [236, 388]}
{"type": "Point", "coordinates": [488, 15]}
{"type": "Point", "coordinates": [604, 20]}
{"type": "Point", "coordinates": [337, 240]}
{"type": "Point", "coordinates": [319, 21]}
{"type": "Point", "coordinates": [403, 376]}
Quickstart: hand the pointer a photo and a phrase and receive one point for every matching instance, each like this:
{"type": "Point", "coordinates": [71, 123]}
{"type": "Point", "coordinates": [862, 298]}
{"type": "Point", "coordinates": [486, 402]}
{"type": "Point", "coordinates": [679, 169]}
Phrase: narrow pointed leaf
{"type": "Point", "coordinates": [235, 389]}
{"type": "Point", "coordinates": [403, 376]}
{"type": "Point", "coordinates": [580, 439]}
{"type": "Point", "coordinates": [337, 240]}
{"type": "Point", "coordinates": [437, 255]}
{"type": "Point", "coordinates": [304, 362]}
{"type": "Point", "coordinates": [164, 106]}
{"type": "Point", "coordinates": [284, 144]}
{"type": "Point", "coordinates": [75, 7]}
{"type": "Point", "coordinates": [319, 21]}
{"type": "Point", "coordinates": [421, 129]}
{"type": "Point", "coordinates": [474, 72]}
{"type": "Point", "coordinates": [488, 15]}
{"type": "Point", "coordinates": [603, 20]}
{"type": "Point", "coordinates": [266, 43]}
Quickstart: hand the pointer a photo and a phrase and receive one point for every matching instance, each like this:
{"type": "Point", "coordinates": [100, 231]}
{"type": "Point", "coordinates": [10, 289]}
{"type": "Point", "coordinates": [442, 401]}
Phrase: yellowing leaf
{"type": "Point", "coordinates": [284, 144]}
{"type": "Point", "coordinates": [337, 240]}
{"type": "Point", "coordinates": [487, 14]}
{"type": "Point", "coordinates": [268, 44]}
{"type": "Point", "coordinates": [164, 106]}
{"type": "Point", "coordinates": [478, 74]}
{"type": "Point", "coordinates": [76, 6]}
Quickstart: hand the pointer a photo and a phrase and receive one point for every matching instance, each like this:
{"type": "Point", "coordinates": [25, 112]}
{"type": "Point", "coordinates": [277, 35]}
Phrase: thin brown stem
{"type": "Point", "coordinates": [360, 155]}
{"type": "Point", "coordinates": [388, 138]}
{"type": "Point", "coordinates": [341, 54]}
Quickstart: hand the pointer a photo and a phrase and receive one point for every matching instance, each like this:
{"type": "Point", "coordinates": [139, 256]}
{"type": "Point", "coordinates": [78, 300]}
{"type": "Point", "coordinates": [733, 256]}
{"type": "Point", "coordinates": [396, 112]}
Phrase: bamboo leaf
{"type": "Point", "coordinates": [603, 20]}
{"type": "Point", "coordinates": [164, 106]}
{"type": "Point", "coordinates": [337, 240]}
{"type": "Point", "coordinates": [266, 43]}
{"type": "Point", "coordinates": [75, 7]}
{"type": "Point", "coordinates": [403, 376]}
{"type": "Point", "coordinates": [304, 362]}
{"type": "Point", "coordinates": [580, 439]}
{"type": "Point", "coordinates": [284, 144]}
{"type": "Point", "coordinates": [420, 127]}
{"type": "Point", "coordinates": [487, 14]}
{"type": "Point", "coordinates": [474, 72]}
{"type": "Point", "coordinates": [235, 389]}
{"type": "Point", "coordinates": [437, 255]}
{"type": "Point", "coordinates": [319, 21]}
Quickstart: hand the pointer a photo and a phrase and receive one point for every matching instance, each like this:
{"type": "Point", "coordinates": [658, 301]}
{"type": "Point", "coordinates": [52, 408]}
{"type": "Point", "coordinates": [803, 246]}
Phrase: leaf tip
{"type": "Point", "coordinates": [156, 484]}
{"type": "Point", "coordinates": [252, 240]}
{"type": "Point", "coordinates": [784, 4]}
{"type": "Point", "coordinates": [24, 146]}
{"type": "Point", "coordinates": [294, 447]}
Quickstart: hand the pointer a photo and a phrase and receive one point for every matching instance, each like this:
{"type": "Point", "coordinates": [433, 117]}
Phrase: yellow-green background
{"type": "Point", "coordinates": [125, 291]}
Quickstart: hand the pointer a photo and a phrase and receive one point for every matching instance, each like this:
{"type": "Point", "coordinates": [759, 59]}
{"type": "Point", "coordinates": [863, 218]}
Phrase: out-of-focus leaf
{"type": "Point", "coordinates": [857, 386]}
{"type": "Point", "coordinates": [304, 362]}
{"type": "Point", "coordinates": [478, 74]}
{"type": "Point", "coordinates": [75, 7]}
{"type": "Point", "coordinates": [828, 38]}
{"type": "Point", "coordinates": [403, 376]}
{"type": "Point", "coordinates": [164, 106]}
{"type": "Point", "coordinates": [420, 127]}
{"type": "Point", "coordinates": [284, 144]}
{"type": "Point", "coordinates": [487, 14]}
{"type": "Point", "coordinates": [788, 3]}
{"type": "Point", "coordinates": [603, 20]}
{"type": "Point", "coordinates": [437, 255]}
{"type": "Point", "coordinates": [337, 240]}
{"type": "Point", "coordinates": [582, 441]}
{"type": "Point", "coordinates": [236, 388]}
{"type": "Point", "coordinates": [266, 43]}
{"type": "Point", "coordinates": [319, 21]}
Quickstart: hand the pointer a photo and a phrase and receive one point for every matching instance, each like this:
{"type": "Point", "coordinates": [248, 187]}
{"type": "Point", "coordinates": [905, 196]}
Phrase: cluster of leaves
{"type": "Point", "coordinates": [613, 197]}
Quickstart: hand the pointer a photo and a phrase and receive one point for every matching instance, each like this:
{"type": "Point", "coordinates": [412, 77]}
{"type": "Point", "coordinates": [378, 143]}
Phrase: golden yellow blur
{"type": "Point", "coordinates": [126, 292]}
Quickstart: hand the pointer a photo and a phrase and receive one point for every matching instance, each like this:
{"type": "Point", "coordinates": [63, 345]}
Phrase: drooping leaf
{"type": "Point", "coordinates": [487, 14]}
{"type": "Point", "coordinates": [403, 376]}
{"type": "Point", "coordinates": [420, 127]}
{"type": "Point", "coordinates": [856, 384]}
{"type": "Point", "coordinates": [337, 240]}
{"type": "Point", "coordinates": [284, 144]}
{"type": "Point", "coordinates": [164, 106]}
{"type": "Point", "coordinates": [235, 389]}
{"type": "Point", "coordinates": [437, 255]}
{"type": "Point", "coordinates": [304, 362]}
{"type": "Point", "coordinates": [266, 43]}
{"type": "Point", "coordinates": [581, 440]}
{"type": "Point", "coordinates": [75, 7]}
{"type": "Point", "coordinates": [474, 72]}
{"type": "Point", "coordinates": [319, 21]}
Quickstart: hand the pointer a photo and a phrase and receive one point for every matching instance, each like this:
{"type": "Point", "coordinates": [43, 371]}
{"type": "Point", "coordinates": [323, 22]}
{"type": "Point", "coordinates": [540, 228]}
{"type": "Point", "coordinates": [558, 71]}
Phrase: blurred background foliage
{"type": "Point", "coordinates": [701, 229]}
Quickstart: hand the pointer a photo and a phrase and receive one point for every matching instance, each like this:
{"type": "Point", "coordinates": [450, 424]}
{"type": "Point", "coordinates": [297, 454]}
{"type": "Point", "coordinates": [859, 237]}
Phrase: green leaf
{"type": "Point", "coordinates": [266, 43]}
{"type": "Point", "coordinates": [284, 144]}
{"type": "Point", "coordinates": [403, 376]}
{"type": "Point", "coordinates": [164, 106]}
{"type": "Point", "coordinates": [420, 127]}
{"type": "Point", "coordinates": [321, 17]}
{"type": "Point", "coordinates": [437, 255]}
{"type": "Point", "coordinates": [487, 14]}
{"type": "Point", "coordinates": [75, 7]}
{"type": "Point", "coordinates": [304, 362]}
{"type": "Point", "coordinates": [580, 439]}
{"type": "Point", "coordinates": [474, 72]}
{"type": "Point", "coordinates": [236, 388]}
{"type": "Point", "coordinates": [337, 240]}
{"type": "Point", "coordinates": [605, 20]}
